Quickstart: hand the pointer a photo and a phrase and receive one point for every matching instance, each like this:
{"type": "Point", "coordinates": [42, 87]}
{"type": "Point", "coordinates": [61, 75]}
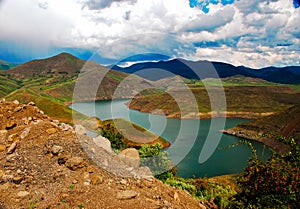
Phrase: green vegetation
{"type": "Point", "coordinates": [5, 65]}
{"type": "Point", "coordinates": [33, 204]}
{"type": "Point", "coordinates": [271, 184]}
{"type": "Point", "coordinates": [81, 205]}
{"type": "Point", "coordinates": [123, 133]}
{"type": "Point", "coordinates": [157, 160]}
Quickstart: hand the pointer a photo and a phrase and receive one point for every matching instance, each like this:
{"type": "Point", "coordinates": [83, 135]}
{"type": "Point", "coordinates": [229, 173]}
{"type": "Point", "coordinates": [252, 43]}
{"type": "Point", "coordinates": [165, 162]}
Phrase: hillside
{"type": "Point", "coordinates": [52, 81]}
{"type": "Point", "coordinates": [5, 65]}
{"type": "Point", "coordinates": [204, 69]}
{"type": "Point", "coordinates": [44, 164]}
{"type": "Point", "coordinates": [57, 81]}
{"type": "Point", "coordinates": [269, 129]}
{"type": "Point", "coordinates": [241, 101]}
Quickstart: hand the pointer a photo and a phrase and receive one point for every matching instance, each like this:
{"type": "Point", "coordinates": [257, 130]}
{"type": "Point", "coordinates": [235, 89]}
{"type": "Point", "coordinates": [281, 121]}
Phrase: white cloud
{"type": "Point", "coordinates": [252, 33]}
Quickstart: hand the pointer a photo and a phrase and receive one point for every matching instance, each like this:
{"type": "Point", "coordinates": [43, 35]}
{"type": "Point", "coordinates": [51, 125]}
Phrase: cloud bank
{"type": "Point", "coordinates": [255, 33]}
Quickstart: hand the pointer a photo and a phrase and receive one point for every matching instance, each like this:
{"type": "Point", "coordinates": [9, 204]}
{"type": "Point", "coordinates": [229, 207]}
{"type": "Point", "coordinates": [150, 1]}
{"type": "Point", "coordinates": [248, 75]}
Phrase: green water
{"type": "Point", "coordinates": [197, 145]}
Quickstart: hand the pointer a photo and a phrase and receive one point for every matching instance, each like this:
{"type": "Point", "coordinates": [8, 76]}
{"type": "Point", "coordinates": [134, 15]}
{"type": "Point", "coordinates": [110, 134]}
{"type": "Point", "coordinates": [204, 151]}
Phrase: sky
{"type": "Point", "coordinates": [256, 33]}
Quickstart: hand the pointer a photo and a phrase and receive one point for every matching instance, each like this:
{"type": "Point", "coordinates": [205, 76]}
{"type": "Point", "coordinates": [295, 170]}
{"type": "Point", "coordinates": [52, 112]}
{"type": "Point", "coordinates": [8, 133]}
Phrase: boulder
{"type": "Point", "coordinates": [130, 157]}
{"type": "Point", "coordinates": [103, 142]}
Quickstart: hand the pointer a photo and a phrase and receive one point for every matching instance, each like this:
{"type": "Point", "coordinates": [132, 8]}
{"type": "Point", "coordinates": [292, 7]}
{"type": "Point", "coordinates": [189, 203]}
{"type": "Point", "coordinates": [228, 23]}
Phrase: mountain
{"type": "Point", "coordinates": [64, 78]}
{"type": "Point", "coordinates": [206, 69]}
{"type": "Point", "coordinates": [5, 65]}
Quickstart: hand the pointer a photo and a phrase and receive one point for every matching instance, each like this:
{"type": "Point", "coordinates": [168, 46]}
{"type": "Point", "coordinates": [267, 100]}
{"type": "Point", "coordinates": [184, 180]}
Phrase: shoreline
{"type": "Point", "coordinates": [275, 145]}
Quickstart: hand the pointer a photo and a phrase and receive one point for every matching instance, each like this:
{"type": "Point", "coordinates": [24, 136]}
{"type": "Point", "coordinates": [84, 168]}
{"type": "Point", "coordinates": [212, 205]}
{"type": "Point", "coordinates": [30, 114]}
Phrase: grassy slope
{"type": "Point", "coordinates": [50, 83]}
{"type": "Point", "coordinates": [286, 123]}
{"type": "Point", "coordinates": [248, 99]}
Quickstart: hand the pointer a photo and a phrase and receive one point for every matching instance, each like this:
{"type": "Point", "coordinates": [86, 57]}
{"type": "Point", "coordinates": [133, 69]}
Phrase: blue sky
{"type": "Point", "coordinates": [256, 33]}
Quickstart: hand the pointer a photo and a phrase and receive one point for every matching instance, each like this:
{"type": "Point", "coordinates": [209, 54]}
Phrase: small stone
{"type": "Point", "coordinates": [23, 194]}
{"type": "Point", "coordinates": [202, 206]}
{"type": "Point", "coordinates": [3, 134]}
{"type": "Point", "coordinates": [97, 180]}
{"type": "Point", "coordinates": [16, 102]}
{"type": "Point", "coordinates": [127, 194]}
{"type": "Point", "coordinates": [65, 127]}
{"type": "Point", "coordinates": [75, 163]}
{"type": "Point", "coordinates": [17, 109]}
{"type": "Point", "coordinates": [90, 169]}
{"type": "Point", "coordinates": [31, 104]}
{"type": "Point", "coordinates": [56, 149]}
{"type": "Point", "coordinates": [123, 182]}
{"type": "Point", "coordinates": [2, 147]}
{"type": "Point", "coordinates": [25, 133]}
{"type": "Point", "coordinates": [12, 147]}
{"type": "Point", "coordinates": [176, 196]}
{"type": "Point", "coordinates": [17, 179]}
{"type": "Point", "coordinates": [80, 130]}
{"type": "Point", "coordinates": [51, 131]}
{"type": "Point", "coordinates": [10, 125]}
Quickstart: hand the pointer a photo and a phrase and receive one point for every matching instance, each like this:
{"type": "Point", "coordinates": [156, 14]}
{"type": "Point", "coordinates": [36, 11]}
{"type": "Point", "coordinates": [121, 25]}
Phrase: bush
{"type": "Point", "coordinates": [272, 184]}
{"type": "Point", "coordinates": [157, 160]}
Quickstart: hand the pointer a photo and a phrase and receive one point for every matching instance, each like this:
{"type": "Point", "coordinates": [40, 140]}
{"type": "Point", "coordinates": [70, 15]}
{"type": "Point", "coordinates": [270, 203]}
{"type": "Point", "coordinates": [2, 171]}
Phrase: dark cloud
{"type": "Point", "coordinates": [100, 4]}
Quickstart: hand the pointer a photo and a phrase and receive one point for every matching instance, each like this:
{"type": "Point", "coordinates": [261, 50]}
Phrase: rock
{"type": "Point", "coordinates": [10, 125]}
{"type": "Point", "coordinates": [97, 180]}
{"type": "Point", "coordinates": [90, 169]}
{"type": "Point", "coordinates": [127, 194]}
{"type": "Point", "coordinates": [65, 127]}
{"type": "Point", "coordinates": [2, 147]}
{"type": "Point", "coordinates": [56, 149]}
{"type": "Point", "coordinates": [80, 130]}
{"type": "Point", "coordinates": [17, 109]}
{"type": "Point", "coordinates": [31, 104]}
{"type": "Point", "coordinates": [103, 142]}
{"type": "Point", "coordinates": [62, 160]}
{"type": "Point", "coordinates": [130, 157]}
{"type": "Point", "coordinates": [25, 133]}
{"type": "Point", "coordinates": [75, 163]}
{"type": "Point", "coordinates": [17, 179]}
{"type": "Point", "coordinates": [202, 206]}
{"type": "Point", "coordinates": [12, 147]}
{"type": "Point", "coordinates": [3, 134]}
{"type": "Point", "coordinates": [176, 196]}
{"type": "Point", "coordinates": [23, 193]}
{"type": "Point", "coordinates": [145, 172]}
{"type": "Point", "coordinates": [51, 131]}
{"type": "Point", "coordinates": [16, 102]}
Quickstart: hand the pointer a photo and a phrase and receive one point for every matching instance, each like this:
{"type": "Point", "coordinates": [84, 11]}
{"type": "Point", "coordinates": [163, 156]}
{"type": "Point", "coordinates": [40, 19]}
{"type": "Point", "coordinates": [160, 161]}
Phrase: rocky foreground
{"type": "Point", "coordinates": [47, 164]}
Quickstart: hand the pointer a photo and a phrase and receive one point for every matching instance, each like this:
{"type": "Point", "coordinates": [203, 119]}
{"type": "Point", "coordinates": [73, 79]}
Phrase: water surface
{"type": "Point", "coordinates": [187, 138]}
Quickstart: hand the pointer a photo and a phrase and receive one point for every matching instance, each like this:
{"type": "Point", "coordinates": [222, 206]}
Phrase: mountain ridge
{"type": "Point", "coordinates": [206, 69]}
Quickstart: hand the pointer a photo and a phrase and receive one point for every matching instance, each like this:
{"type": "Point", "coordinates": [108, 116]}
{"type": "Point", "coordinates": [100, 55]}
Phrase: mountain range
{"type": "Point", "coordinates": [205, 69]}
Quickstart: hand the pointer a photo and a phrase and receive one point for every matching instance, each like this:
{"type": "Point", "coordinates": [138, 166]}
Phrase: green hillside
{"type": "Point", "coordinates": [5, 65]}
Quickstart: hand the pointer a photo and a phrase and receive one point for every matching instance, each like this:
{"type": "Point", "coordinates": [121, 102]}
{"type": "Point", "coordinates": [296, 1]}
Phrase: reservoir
{"type": "Point", "coordinates": [197, 146]}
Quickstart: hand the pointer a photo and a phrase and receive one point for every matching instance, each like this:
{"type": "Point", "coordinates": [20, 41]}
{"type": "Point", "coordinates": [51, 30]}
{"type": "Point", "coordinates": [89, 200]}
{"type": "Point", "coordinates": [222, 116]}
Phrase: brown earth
{"type": "Point", "coordinates": [43, 164]}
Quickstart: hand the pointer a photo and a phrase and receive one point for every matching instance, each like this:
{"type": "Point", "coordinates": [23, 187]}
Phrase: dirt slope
{"type": "Point", "coordinates": [43, 165]}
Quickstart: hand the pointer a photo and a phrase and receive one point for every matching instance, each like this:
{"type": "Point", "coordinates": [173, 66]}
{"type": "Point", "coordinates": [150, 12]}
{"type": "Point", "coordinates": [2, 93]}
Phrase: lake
{"type": "Point", "coordinates": [197, 145]}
